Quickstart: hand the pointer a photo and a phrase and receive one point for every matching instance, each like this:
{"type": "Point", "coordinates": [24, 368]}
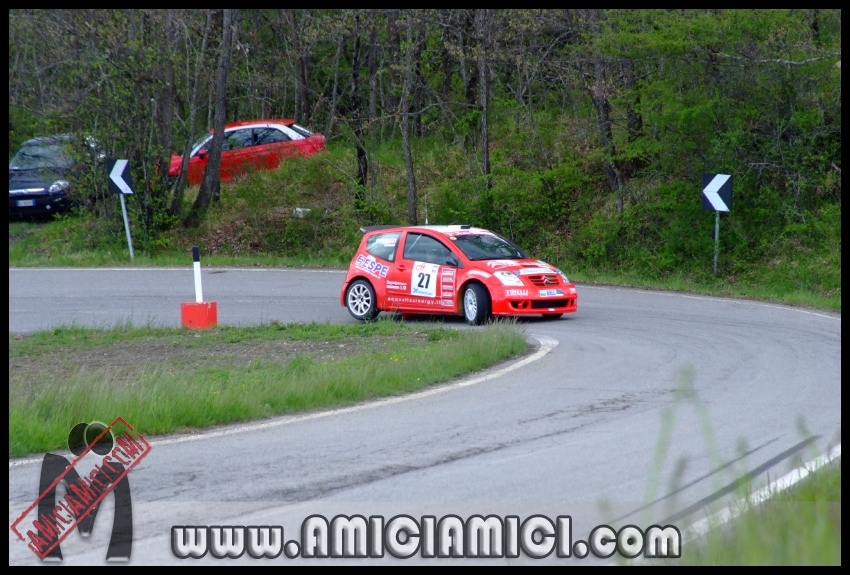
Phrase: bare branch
{"type": "Point", "coordinates": [779, 60]}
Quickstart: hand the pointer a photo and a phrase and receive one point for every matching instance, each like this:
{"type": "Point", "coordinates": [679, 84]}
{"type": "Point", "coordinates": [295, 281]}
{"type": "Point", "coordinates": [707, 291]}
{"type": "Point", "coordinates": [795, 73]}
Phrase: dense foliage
{"type": "Point", "coordinates": [581, 134]}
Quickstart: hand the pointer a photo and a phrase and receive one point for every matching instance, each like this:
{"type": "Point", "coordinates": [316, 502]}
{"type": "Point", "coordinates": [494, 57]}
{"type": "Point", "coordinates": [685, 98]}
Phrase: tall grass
{"type": "Point", "coordinates": [801, 526]}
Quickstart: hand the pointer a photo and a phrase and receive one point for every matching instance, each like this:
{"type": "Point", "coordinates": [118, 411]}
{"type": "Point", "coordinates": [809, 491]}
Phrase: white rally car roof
{"type": "Point", "coordinates": [455, 228]}
{"type": "Point", "coordinates": [440, 229]}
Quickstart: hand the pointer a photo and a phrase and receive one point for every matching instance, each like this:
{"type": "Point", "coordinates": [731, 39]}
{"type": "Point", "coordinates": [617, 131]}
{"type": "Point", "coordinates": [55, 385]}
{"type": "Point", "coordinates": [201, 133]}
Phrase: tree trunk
{"type": "Point", "coordinates": [412, 217]}
{"type": "Point", "coordinates": [469, 71]}
{"type": "Point", "coordinates": [419, 86]}
{"type": "Point", "coordinates": [372, 122]}
{"type": "Point", "coordinates": [235, 24]}
{"type": "Point", "coordinates": [599, 95]}
{"type": "Point", "coordinates": [372, 65]}
{"type": "Point", "coordinates": [211, 183]}
{"type": "Point", "coordinates": [356, 117]}
{"type": "Point", "coordinates": [482, 25]}
{"type": "Point", "coordinates": [302, 63]}
{"type": "Point", "coordinates": [393, 49]}
{"type": "Point", "coordinates": [79, 87]}
{"type": "Point", "coordinates": [446, 58]}
{"type": "Point", "coordinates": [634, 122]}
{"type": "Point", "coordinates": [194, 104]}
{"type": "Point", "coordinates": [335, 89]}
{"type": "Point", "coordinates": [166, 122]}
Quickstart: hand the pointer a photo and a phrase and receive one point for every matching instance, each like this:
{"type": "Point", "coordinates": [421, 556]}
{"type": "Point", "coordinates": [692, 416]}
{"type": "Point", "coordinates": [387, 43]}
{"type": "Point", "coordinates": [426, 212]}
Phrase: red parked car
{"type": "Point", "coordinates": [251, 145]}
{"type": "Point", "coordinates": [458, 270]}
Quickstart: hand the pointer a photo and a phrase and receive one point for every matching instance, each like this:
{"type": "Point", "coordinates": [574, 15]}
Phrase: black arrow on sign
{"type": "Point", "coordinates": [717, 192]}
{"type": "Point", "coordinates": [119, 177]}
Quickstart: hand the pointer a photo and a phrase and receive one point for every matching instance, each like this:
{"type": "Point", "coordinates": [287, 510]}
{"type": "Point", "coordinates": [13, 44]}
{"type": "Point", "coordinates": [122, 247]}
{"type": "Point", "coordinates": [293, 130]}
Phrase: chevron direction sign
{"type": "Point", "coordinates": [119, 177]}
{"type": "Point", "coordinates": [121, 185]}
{"type": "Point", "coordinates": [717, 192]}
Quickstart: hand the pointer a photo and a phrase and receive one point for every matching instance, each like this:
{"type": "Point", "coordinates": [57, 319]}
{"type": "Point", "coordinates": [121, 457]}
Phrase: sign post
{"type": "Point", "coordinates": [120, 183]}
{"type": "Point", "coordinates": [716, 196]}
{"type": "Point", "coordinates": [716, 239]}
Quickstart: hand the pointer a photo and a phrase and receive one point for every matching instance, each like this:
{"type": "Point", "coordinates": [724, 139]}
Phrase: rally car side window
{"type": "Point", "coordinates": [422, 248]}
{"type": "Point", "coordinates": [238, 139]}
{"type": "Point", "coordinates": [269, 136]}
{"type": "Point", "coordinates": [383, 245]}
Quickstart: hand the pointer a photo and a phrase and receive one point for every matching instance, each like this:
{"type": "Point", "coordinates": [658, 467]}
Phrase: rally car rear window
{"type": "Point", "coordinates": [300, 130]}
{"type": "Point", "coordinates": [383, 245]}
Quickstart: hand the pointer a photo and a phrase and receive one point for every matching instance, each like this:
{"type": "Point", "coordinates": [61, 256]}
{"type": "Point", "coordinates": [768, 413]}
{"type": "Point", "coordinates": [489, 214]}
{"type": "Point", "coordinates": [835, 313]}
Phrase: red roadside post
{"type": "Point", "coordinates": [198, 314]}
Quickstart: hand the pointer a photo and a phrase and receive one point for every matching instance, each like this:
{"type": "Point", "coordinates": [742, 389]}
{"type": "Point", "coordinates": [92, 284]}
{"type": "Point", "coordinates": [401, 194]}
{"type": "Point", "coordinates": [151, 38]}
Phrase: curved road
{"type": "Point", "coordinates": [580, 431]}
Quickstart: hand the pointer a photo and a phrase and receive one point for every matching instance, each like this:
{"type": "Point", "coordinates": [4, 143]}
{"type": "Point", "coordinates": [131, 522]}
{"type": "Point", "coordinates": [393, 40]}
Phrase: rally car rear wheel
{"type": "Point", "coordinates": [360, 300]}
{"type": "Point", "coordinates": [476, 304]}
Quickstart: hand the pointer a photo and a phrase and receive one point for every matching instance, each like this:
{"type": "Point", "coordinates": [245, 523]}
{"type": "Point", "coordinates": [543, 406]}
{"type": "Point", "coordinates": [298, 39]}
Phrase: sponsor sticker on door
{"type": "Point", "coordinates": [424, 280]}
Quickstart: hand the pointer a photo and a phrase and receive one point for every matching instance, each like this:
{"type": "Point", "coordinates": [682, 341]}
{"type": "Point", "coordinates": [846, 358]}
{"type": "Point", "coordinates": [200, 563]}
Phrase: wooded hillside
{"type": "Point", "coordinates": [582, 134]}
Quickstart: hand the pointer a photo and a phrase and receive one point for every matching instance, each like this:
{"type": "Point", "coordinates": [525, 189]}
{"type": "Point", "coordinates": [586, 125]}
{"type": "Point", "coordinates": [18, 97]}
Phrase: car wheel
{"type": "Point", "coordinates": [360, 300]}
{"type": "Point", "coordinates": [552, 315]}
{"type": "Point", "coordinates": [476, 304]}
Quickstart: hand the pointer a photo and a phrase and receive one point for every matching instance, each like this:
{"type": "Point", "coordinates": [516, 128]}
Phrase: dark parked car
{"type": "Point", "coordinates": [40, 173]}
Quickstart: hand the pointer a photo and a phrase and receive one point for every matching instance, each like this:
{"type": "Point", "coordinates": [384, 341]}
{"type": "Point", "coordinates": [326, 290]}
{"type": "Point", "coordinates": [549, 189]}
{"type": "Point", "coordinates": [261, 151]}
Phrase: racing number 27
{"type": "Point", "coordinates": [423, 280]}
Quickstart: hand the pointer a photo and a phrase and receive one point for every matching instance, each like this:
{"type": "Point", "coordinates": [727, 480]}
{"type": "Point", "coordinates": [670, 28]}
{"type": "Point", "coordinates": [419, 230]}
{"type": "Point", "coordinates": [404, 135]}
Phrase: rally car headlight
{"type": "Point", "coordinates": [508, 278]}
{"type": "Point", "coordinates": [58, 187]}
{"type": "Point", "coordinates": [563, 275]}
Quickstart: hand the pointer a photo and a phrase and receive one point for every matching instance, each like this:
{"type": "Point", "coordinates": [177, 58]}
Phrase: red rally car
{"type": "Point", "coordinates": [250, 145]}
{"type": "Point", "coordinates": [457, 270]}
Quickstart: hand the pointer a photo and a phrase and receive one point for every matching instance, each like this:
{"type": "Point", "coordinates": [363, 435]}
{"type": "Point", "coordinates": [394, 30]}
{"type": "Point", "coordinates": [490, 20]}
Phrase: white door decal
{"type": "Point", "coordinates": [424, 280]}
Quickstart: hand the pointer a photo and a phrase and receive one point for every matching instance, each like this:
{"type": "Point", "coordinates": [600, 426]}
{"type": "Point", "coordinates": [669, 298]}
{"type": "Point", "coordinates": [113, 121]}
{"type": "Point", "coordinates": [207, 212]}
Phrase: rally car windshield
{"type": "Point", "coordinates": [487, 247]}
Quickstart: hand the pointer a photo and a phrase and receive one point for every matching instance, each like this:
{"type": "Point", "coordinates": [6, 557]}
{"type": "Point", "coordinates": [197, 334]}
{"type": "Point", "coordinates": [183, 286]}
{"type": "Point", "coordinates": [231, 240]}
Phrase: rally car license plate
{"type": "Point", "coordinates": [25, 203]}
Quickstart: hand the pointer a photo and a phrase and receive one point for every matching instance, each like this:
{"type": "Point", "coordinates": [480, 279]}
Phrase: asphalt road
{"type": "Point", "coordinates": [580, 430]}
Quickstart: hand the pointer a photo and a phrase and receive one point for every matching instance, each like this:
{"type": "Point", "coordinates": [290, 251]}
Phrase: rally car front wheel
{"type": "Point", "coordinates": [360, 300]}
{"type": "Point", "coordinates": [476, 304]}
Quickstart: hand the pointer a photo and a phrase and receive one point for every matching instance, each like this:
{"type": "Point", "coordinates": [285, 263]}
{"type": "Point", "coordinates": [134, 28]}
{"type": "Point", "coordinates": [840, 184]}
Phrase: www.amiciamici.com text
{"type": "Point", "coordinates": [404, 537]}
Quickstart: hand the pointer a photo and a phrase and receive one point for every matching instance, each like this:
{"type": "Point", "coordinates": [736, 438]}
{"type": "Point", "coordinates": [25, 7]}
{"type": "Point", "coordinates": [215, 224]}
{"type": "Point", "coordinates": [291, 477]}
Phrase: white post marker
{"type": "Point", "coordinates": [198, 314]}
{"type": "Point", "coordinates": [196, 258]}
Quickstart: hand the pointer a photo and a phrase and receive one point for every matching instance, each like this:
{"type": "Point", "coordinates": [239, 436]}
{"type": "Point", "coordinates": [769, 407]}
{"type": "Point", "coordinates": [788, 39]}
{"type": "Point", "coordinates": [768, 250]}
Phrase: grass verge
{"type": "Point", "coordinates": [164, 380]}
{"type": "Point", "coordinates": [762, 290]}
{"type": "Point", "coordinates": [799, 526]}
